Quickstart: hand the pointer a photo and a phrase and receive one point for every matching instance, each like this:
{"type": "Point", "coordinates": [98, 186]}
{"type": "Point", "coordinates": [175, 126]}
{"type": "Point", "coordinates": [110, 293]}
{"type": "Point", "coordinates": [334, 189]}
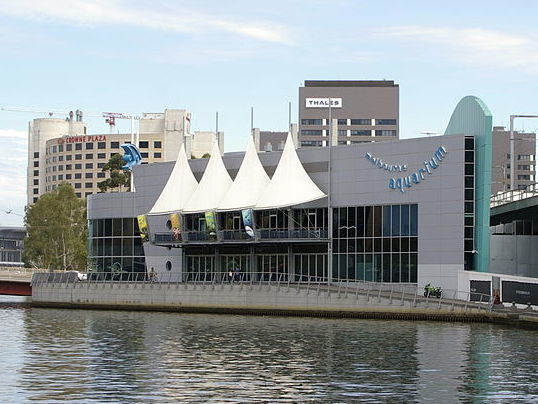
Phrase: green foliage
{"type": "Point", "coordinates": [206, 155]}
{"type": "Point", "coordinates": [56, 231]}
{"type": "Point", "coordinates": [118, 178]}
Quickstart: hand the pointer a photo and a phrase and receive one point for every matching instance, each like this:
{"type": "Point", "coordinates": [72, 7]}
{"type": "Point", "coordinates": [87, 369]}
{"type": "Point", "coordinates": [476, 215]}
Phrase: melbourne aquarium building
{"type": "Point", "coordinates": [412, 211]}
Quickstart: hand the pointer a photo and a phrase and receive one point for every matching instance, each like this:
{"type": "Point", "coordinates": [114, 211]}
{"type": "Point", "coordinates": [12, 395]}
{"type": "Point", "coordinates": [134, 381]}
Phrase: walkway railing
{"type": "Point", "coordinates": [502, 198]}
{"type": "Point", "coordinates": [395, 293]}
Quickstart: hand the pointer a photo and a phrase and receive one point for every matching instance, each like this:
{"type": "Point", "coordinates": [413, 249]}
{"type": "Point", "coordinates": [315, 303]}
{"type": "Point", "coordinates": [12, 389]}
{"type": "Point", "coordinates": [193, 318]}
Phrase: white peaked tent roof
{"type": "Point", "coordinates": [249, 184]}
{"type": "Point", "coordinates": [212, 187]}
{"type": "Point", "coordinates": [290, 184]}
{"type": "Point", "coordinates": [178, 188]}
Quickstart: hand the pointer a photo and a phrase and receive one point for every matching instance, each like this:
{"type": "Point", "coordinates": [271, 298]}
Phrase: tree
{"type": "Point", "coordinates": [56, 231]}
{"type": "Point", "coordinates": [118, 177]}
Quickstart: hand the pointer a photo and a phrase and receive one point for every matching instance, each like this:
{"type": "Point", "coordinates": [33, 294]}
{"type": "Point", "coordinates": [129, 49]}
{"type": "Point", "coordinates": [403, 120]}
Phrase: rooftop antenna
{"type": "Point", "coordinates": [251, 120]}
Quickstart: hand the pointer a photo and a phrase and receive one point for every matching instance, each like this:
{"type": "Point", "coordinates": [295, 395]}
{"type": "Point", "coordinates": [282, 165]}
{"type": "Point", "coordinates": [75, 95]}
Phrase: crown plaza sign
{"type": "Point", "coordinates": [323, 102]}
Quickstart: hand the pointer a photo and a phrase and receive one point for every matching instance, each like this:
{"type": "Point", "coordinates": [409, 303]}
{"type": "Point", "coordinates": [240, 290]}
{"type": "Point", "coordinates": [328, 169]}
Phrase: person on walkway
{"type": "Point", "coordinates": [152, 275]}
{"type": "Point", "coordinates": [237, 273]}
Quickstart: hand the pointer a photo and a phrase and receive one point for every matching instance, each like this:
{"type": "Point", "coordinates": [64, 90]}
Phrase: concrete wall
{"type": "Point", "coordinates": [514, 255]}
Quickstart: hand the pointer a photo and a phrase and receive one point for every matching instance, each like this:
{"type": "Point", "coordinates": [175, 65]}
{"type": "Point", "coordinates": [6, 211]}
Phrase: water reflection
{"type": "Point", "coordinates": [96, 356]}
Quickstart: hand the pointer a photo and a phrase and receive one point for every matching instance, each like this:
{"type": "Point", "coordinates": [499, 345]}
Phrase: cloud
{"type": "Point", "coordinates": [13, 166]}
{"type": "Point", "coordinates": [477, 46]}
{"type": "Point", "coordinates": [13, 134]}
{"type": "Point", "coordinates": [120, 12]}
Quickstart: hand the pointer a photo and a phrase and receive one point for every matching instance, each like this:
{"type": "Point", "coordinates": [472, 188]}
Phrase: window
{"type": "Point", "coordinates": [78, 166]}
{"type": "Point", "coordinates": [78, 185]}
{"type": "Point", "coordinates": [311, 143]}
{"type": "Point", "coordinates": [60, 148]}
{"type": "Point", "coordinates": [68, 157]}
{"type": "Point", "coordinates": [144, 155]}
{"type": "Point", "coordinates": [157, 145]}
{"type": "Point", "coordinates": [385, 133]}
{"type": "Point", "coordinates": [60, 168]}
{"type": "Point", "coordinates": [36, 182]}
{"type": "Point", "coordinates": [54, 168]}
{"type": "Point", "coordinates": [54, 159]}
{"type": "Point", "coordinates": [68, 147]}
{"type": "Point", "coordinates": [89, 156]}
{"type": "Point", "coordinates": [35, 200]}
{"type": "Point", "coordinates": [36, 191]}
{"type": "Point", "coordinates": [36, 163]}
{"type": "Point", "coordinates": [101, 145]}
{"type": "Point", "coordinates": [89, 185]}
{"type": "Point", "coordinates": [60, 158]}
{"type": "Point", "coordinates": [101, 155]}
{"type": "Point", "coordinates": [311, 122]}
{"type": "Point", "coordinates": [78, 176]}
{"type": "Point", "coordinates": [157, 155]}
{"type": "Point", "coordinates": [100, 165]}
{"type": "Point", "coordinates": [342, 132]}
{"type": "Point", "coordinates": [36, 155]}
{"type": "Point", "coordinates": [89, 146]}
{"type": "Point", "coordinates": [362, 132]}
{"type": "Point", "coordinates": [53, 178]}
{"type": "Point", "coordinates": [86, 194]}
{"type": "Point", "coordinates": [143, 145]}
{"type": "Point", "coordinates": [53, 149]}
{"type": "Point", "coordinates": [36, 172]}
{"type": "Point", "coordinates": [385, 121]}
{"type": "Point", "coordinates": [311, 132]}
{"type": "Point", "coordinates": [342, 122]}
{"type": "Point", "coordinates": [67, 176]}
{"type": "Point", "coordinates": [525, 157]}
{"type": "Point", "coordinates": [114, 145]}
{"type": "Point", "coordinates": [101, 175]}
{"type": "Point", "coordinates": [89, 175]}
{"type": "Point", "coordinates": [60, 177]}
{"type": "Point", "coordinates": [78, 194]}
{"type": "Point", "coordinates": [89, 166]}
{"type": "Point", "coordinates": [78, 146]}
{"type": "Point", "coordinates": [68, 167]}
{"type": "Point", "coordinates": [523, 167]}
{"type": "Point", "coordinates": [524, 177]}
{"type": "Point", "coordinates": [361, 122]}
{"type": "Point", "coordinates": [78, 156]}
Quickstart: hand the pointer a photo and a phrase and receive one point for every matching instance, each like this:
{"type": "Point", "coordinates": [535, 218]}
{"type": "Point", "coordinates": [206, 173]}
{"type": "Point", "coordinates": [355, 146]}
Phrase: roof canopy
{"type": "Point", "coordinates": [212, 187]}
{"type": "Point", "coordinates": [249, 184]}
{"type": "Point", "coordinates": [178, 188]}
{"type": "Point", "coordinates": [290, 184]}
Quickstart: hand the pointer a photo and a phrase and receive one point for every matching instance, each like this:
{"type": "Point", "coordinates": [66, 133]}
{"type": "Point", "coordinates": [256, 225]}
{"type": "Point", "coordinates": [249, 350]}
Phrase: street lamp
{"type": "Point", "coordinates": [512, 139]}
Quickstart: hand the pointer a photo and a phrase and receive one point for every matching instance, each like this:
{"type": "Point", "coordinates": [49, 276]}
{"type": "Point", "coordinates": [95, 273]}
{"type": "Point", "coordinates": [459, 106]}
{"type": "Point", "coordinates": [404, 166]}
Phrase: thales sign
{"type": "Point", "coordinates": [323, 102]}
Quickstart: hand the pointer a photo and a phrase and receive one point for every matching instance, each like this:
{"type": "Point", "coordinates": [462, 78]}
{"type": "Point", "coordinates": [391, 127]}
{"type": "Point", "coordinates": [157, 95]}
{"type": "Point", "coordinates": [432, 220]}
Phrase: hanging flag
{"type": "Point", "coordinates": [175, 221]}
{"type": "Point", "coordinates": [247, 221]}
{"type": "Point", "coordinates": [143, 227]}
{"type": "Point", "coordinates": [210, 222]}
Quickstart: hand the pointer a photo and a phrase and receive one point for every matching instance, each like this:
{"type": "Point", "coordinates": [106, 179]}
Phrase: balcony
{"type": "Point", "coordinates": [235, 236]}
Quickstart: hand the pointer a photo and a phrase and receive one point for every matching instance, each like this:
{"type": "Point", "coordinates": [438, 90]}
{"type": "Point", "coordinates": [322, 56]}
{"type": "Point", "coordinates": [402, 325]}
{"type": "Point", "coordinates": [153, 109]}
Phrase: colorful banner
{"type": "Point", "coordinates": [247, 221]}
{"type": "Point", "coordinates": [210, 223]}
{"type": "Point", "coordinates": [143, 227]}
{"type": "Point", "coordinates": [175, 221]}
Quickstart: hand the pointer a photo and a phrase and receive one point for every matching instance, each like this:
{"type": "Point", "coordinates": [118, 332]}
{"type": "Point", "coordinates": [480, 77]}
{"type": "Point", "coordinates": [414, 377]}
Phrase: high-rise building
{"type": "Point", "coordinates": [524, 160]}
{"type": "Point", "coordinates": [361, 112]}
{"type": "Point", "coordinates": [63, 151]}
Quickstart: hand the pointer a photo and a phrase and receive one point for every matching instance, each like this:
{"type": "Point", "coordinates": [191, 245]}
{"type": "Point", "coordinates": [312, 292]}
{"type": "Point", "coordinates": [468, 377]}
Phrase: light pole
{"type": "Point", "coordinates": [329, 207]}
{"type": "Point", "coordinates": [512, 147]}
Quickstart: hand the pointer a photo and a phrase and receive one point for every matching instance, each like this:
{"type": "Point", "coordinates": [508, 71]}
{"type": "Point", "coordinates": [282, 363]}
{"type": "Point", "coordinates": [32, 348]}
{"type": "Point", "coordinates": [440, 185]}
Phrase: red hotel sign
{"type": "Point", "coordinates": [82, 139]}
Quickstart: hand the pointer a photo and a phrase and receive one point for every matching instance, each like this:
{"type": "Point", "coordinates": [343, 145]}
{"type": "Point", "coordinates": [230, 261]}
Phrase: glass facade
{"type": "Point", "coordinates": [115, 245]}
{"type": "Point", "coordinates": [376, 243]}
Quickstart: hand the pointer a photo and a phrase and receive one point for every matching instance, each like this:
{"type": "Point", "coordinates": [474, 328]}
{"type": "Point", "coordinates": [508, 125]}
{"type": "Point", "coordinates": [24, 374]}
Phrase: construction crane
{"type": "Point", "coordinates": [110, 117]}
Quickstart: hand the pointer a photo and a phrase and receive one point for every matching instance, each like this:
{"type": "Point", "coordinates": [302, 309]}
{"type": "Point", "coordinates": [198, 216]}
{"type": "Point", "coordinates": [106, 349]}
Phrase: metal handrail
{"type": "Point", "coordinates": [309, 283]}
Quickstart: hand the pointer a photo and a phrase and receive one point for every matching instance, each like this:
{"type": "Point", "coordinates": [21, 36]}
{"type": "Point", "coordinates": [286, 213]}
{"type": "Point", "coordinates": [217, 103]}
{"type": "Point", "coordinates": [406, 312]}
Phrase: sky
{"type": "Point", "coordinates": [228, 56]}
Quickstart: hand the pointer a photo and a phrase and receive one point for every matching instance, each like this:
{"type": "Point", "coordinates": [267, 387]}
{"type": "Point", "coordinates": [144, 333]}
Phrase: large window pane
{"type": "Point", "coordinates": [368, 267]}
{"type": "Point", "coordinates": [360, 221]}
{"type": "Point", "coordinates": [369, 219]}
{"type": "Point", "coordinates": [395, 268]}
{"type": "Point", "coordinates": [413, 220]}
{"type": "Point", "coordinates": [116, 227]}
{"type": "Point", "coordinates": [404, 216]}
{"type": "Point", "coordinates": [386, 268]}
{"type": "Point", "coordinates": [359, 267]}
{"type": "Point", "coordinates": [386, 221]}
{"type": "Point", "coordinates": [378, 215]}
{"type": "Point", "coordinates": [395, 220]}
{"type": "Point", "coordinates": [404, 264]}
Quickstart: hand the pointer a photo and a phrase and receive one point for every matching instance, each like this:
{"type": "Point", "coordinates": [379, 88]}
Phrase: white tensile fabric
{"type": "Point", "coordinates": [178, 188]}
{"type": "Point", "coordinates": [249, 184]}
{"type": "Point", "coordinates": [290, 184]}
{"type": "Point", "coordinates": [212, 187]}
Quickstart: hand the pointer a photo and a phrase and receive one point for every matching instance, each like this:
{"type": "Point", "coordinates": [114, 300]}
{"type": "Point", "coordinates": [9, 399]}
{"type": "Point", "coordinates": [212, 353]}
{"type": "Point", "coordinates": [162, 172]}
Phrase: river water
{"type": "Point", "coordinates": [85, 356]}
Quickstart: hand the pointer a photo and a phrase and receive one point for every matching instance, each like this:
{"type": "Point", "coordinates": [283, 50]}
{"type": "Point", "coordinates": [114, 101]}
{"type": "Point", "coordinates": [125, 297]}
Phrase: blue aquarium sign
{"type": "Point", "coordinates": [408, 181]}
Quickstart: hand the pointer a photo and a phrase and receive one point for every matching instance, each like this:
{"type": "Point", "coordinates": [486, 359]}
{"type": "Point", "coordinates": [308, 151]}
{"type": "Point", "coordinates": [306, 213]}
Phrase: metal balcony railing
{"type": "Point", "coordinates": [241, 235]}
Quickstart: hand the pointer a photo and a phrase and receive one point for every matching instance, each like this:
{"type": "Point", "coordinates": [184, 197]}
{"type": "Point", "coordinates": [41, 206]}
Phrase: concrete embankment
{"type": "Point", "coordinates": [267, 300]}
